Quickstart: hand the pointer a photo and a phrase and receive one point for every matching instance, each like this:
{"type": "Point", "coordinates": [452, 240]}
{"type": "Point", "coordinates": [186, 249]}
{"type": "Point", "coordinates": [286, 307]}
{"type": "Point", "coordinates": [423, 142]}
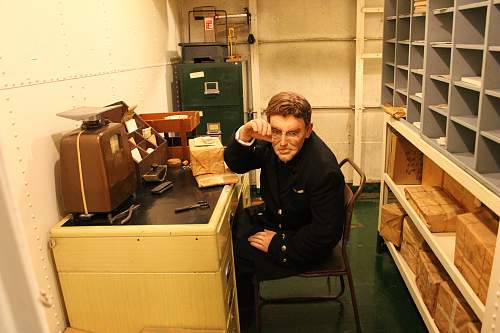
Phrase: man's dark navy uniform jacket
{"type": "Point", "coordinates": [303, 198]}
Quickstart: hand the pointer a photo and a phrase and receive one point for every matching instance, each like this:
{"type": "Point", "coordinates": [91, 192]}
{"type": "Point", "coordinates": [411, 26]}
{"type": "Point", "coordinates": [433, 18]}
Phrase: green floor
{"type": "Point", "coordinates": [385, 304]}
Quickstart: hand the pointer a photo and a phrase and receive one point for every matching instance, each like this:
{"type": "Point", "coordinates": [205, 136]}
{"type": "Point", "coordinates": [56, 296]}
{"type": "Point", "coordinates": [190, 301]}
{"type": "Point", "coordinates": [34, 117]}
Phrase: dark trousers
{"type": "Point", "coordinates": [251, 263]}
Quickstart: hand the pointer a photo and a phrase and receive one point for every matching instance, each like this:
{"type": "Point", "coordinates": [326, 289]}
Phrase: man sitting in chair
{"type": "Point", "coordinates": [302, 186]}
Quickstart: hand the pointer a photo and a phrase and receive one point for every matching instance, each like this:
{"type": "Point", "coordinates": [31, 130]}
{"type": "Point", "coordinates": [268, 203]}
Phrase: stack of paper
{"type": "Point", "coordinates": [419, 6]}
{"type": "Point", "coordinates": [472, 80]}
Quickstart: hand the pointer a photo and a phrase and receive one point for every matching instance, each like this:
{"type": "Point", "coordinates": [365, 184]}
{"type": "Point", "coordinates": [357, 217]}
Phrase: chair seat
{"type": "Point", "coordinates": [332, 265]}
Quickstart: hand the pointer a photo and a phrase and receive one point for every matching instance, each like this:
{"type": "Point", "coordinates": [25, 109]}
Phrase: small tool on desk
{"type": "Point", "coordinates": [201, 204]}
{"type": "Point", "coordinates": [165, 186]}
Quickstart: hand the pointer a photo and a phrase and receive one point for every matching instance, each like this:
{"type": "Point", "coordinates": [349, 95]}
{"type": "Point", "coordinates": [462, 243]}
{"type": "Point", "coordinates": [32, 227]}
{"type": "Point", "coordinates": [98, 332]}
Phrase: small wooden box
{"type": "Point", "coordinates": [137, 140]}
{"type": "Point", "coordinates": [178, 122]}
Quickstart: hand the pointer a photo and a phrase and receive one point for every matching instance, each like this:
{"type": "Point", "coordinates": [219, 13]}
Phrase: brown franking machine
{"type": "Point", "coordinates": [97, 170]}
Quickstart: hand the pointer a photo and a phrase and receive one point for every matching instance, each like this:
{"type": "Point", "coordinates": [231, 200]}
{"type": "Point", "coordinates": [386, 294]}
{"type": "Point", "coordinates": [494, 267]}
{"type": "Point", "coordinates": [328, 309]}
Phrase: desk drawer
{"type": "Point", "coordinates": [150, 299]}
{"type": "Point", "coordinates": [137, 254]}
{"type": "Point", "coordinates": [224, 231]}
{"type": "Point", "coordinates": [227, 277]}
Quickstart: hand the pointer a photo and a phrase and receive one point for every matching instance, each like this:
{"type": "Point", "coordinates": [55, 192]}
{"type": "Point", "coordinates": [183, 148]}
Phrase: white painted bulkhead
{"type": "Point", "coordinates": [56, 55]}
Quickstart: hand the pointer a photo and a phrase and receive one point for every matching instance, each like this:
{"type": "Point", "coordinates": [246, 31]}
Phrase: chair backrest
{"type": "Point", "coordinates": [350, 199]}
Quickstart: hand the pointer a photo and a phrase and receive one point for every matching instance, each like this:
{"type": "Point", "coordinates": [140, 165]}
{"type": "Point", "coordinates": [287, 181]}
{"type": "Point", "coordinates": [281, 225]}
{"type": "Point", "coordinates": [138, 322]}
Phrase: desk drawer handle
{"type": "Point", "coordinates": [228, 270]}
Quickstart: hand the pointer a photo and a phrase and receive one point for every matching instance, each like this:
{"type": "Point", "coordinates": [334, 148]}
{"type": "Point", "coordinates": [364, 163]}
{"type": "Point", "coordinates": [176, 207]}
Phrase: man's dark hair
{"type": "Point", "coordinates": [289, 103]}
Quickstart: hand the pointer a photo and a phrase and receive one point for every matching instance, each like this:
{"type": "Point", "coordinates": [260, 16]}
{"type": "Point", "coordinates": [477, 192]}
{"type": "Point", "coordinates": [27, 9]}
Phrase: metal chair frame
{"type": "Point", "coordinates": [327, 269]}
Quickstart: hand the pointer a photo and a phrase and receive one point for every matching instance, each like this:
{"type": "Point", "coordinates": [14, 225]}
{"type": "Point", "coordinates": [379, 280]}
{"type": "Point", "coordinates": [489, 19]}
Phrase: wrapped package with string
{"type": "Point", "coordinates": [430, 275]}
{"type": "Point", "coordinates": [412, 244]}
{"type": "Point", "coordinates": [453, 314]}
{"type": "Point", "coordinates": [206, 155]}
{"type": "Point", "coordinates": [475, 249]}
{"type": "Point", "coordinates": [391, 223]}
{"type": "Point", "coordinates": [436, 208]}
{"type": "Point", "coordinates": [209, 179]}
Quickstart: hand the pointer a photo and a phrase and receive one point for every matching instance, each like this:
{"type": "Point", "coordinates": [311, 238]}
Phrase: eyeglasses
{"type": "Point", "coordinates": [277, 134]}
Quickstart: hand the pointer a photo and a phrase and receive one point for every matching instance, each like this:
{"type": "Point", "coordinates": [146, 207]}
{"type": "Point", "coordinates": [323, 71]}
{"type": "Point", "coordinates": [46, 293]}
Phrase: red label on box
{"type": "Point", "coordinates": [209, 23]}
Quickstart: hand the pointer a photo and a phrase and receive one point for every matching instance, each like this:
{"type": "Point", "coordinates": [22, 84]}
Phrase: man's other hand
{"type": "Point", "coordinates": [256, 128]}
{"type": "Point", "coordinates": [262, 239]}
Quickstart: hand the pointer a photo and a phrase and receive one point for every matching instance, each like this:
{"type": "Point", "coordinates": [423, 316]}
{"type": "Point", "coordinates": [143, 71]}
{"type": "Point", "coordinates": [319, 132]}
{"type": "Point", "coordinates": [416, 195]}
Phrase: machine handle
{"type": "Point", "coordinates": [212, 88]}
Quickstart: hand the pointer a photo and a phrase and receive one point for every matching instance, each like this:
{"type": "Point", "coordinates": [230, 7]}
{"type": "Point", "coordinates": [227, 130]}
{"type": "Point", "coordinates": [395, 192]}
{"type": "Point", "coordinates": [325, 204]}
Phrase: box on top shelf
{"type": "Point", "coordinates": [405, 161]}
{"type": "Point", "coordinates": [475, 249]}
{"type": "Point", "coordinates": [436, 208]}
{"type": "Point", "coordinates": [452, 313]}
{"type": "Point", "coordinates": [432, 174]}
{"type": "Point", "coordinates": [430, 274]}
{"type": "Point", "coordinates": [391, 223]}
{"type": "Point", "coordinates": [461, 195]}
{"type": "Point", "coordinates": [412, 243]}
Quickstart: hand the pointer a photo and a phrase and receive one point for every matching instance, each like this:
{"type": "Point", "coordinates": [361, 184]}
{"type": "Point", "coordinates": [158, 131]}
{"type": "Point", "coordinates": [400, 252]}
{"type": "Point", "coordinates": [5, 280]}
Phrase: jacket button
{"type": "Point", "coordinates": [279, 225]}
{"type": "Point", "coordinates": [280, 211]}
{"type": "Point", "coordinates": [284, 260]}
{"type": "Point", "coordinates": [283, 236]}
{"type": "Point", "coordinates": [283, 248]}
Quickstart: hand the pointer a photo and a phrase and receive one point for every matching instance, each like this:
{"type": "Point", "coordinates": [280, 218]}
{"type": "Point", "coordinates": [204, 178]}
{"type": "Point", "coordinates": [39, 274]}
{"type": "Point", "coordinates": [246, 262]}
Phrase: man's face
{"type": "Point", "coordinates": [288, 135]}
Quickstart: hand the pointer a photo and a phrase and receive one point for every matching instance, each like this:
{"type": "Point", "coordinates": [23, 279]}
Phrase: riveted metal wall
{"type": "Point", "coordinates": [56, 55]}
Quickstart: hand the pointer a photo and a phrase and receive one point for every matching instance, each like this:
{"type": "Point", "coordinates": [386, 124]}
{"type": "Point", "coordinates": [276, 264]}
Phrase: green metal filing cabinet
{"type": "Point", "coordinates": [216, 89]}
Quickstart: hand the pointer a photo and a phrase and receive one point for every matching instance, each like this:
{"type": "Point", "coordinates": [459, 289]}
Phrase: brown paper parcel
{"type": "Point", "coordinates": [391, 223]}
{"type": "Point", "coordinates": [475, 249]}
{"type": "Point", "coordinates": [208, 180]}
{"type": "Point", "coordinates": [207, 156]}
{"type": "Point", "coordinates": [412, 243]}
{"type": "Point", "coordinates": [452, 311]}
{"type": "Point", "coordinates": [436, 208]}
{"type": "Point", "coordinates": [474, 327]}
{"type": "Point", "coordinates": [430, 275]}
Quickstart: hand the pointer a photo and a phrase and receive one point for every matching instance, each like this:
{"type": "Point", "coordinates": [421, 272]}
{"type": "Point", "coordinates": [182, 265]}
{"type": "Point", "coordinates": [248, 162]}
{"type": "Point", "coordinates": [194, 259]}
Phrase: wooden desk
{"type": "Point", "coordinates": [121, 279]}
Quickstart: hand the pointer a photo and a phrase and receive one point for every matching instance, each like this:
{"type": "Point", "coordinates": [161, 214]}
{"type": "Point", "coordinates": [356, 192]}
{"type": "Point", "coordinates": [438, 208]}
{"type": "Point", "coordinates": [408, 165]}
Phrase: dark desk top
{"type": "Point", "coordinates": [159, 209]}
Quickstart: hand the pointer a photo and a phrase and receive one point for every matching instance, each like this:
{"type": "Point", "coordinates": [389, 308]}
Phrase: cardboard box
{"type": "Point", "coordinates": [436, 208]}
{"type": "Point", "coordinates": [475, 248]}
{"type": "Point", "coordinates": [452, 311]}
{"type": "Point", "coordinates": [412, 244]}
{"type": "Point", "coordinates": [432, 174]}
{"type": "Point", "coordinates": [429, 277]}
{"type": "Point", "coordinates": [391, 223]}
{"type": "Point", "coordinates": [404, 164]}
{"type": "Point", "coordinates": [207, 156]}
{"type": "Point", "coordinates": [460, 194]}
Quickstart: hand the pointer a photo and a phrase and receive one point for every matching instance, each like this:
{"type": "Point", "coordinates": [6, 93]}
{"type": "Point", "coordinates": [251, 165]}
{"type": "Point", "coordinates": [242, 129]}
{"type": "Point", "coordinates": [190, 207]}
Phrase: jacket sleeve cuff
{"type": "Point", "coordinates": [237, 137]}
{"type": "Point", "coordinates": [278, 249]}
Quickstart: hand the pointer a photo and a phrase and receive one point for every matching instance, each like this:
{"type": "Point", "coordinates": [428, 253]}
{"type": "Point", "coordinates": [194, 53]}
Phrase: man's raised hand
{"type": "Point", "coordinates": [256, 129]}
